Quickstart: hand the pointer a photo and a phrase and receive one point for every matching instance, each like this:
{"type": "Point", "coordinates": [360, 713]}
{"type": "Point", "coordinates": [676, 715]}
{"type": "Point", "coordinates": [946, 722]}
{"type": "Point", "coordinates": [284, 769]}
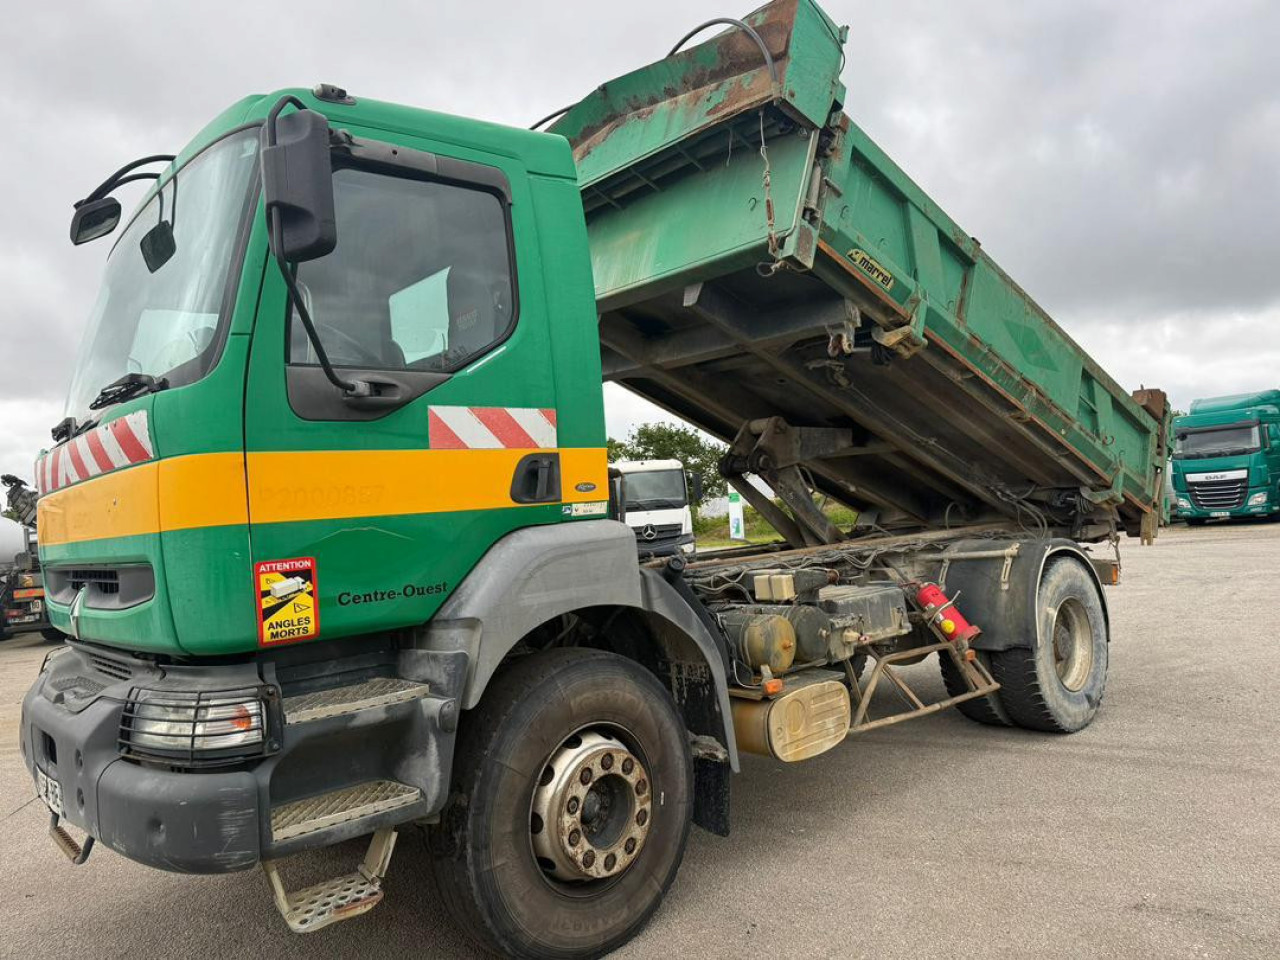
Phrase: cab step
{"type": "Point", "coordinates": [338, 899]}
{"type": "Point", "coordinates": [378, 692]}
{"type": "Point", "coordinates": [301, 817]}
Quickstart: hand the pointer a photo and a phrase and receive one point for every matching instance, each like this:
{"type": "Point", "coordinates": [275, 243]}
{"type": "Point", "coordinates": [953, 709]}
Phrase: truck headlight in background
{"type": "Point", "coordinates": [1184, 503]}
{"type": "Point", "coordinates": [1259, 498]}
{"type": "Point", "coordinates": [194, 728]}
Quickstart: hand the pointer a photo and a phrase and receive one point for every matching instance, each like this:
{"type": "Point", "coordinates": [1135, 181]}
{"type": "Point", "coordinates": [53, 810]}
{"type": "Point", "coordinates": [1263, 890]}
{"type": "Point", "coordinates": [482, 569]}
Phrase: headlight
{"type": "Point", "coordinates": [1184, 503]}
{"type": "Point", "coordinates": [194, 728]}
{"type": "Point", "coordinates": [1258, 499]}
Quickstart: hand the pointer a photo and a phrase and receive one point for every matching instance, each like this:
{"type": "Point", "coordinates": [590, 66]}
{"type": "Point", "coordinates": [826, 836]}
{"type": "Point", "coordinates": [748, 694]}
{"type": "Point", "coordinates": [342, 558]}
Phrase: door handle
{"type": "Point", "coordinates": [537, 479]}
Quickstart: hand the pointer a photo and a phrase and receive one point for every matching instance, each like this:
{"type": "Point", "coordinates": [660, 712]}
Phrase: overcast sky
{"type": "Point", "coordinates": [1121, 161]}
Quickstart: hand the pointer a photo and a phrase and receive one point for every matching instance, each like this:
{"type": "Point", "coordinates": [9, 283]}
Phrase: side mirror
{"type": "Point", "coordinates": [297, 183]}
{"type": "Point", "coordinates": [158, 245]}
{"type": "Point", "coordinates": [695, 488]}
{"type": "Point", "coordinates": [94, 219]}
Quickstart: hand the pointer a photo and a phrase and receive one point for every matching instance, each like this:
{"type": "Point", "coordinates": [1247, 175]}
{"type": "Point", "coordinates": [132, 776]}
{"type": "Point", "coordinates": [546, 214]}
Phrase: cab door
{"type": "Point", "coordinates": [366, 512]}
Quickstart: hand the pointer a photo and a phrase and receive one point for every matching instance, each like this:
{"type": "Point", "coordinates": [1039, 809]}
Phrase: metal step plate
{"type": "Point", "coordinates": [340, 806]}
{"type": "Point", "coordinates": [330, 901]}
{"type": "Point", "coordinates": [378, 692]}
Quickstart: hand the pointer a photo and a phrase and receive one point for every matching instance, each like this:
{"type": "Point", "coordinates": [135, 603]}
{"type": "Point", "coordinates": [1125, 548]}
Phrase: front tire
{"type": "Point", "coordinates": [1057, 686]}
{"type": "Point", "coordinates": [554, 843]}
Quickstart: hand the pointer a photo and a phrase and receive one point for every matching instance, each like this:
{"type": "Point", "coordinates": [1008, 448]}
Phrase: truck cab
{"type": "Point", "coordinates": [1226, 458]}
{"type": "Point", "coordinates": [657, 495]}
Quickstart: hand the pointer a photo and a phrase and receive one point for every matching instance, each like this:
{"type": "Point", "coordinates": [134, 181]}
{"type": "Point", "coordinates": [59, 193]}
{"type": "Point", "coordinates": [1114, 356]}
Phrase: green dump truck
{"type": "Point", "coordinates": [1226, 458]}
{"type": "Point", "coordinates": [328, 522]}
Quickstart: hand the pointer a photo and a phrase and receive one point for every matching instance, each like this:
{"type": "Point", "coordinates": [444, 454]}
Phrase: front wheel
{"type": "Point", "coordinates": [573, 790]}
{"type": "Point", "coordinates": [1058, 684]}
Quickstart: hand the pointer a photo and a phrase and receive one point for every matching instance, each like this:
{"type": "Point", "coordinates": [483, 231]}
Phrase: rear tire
{"type": "Point", "coordinates": [988, 709]}
{"type": "Point", "coordinates": [1058, 685]}
{"type": "Point", "coordinates": [517, 746]}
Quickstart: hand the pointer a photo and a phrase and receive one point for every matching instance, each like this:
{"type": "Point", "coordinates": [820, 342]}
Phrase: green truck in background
{"type": "Point", "coordinates": [330, 526]}
{"type": "Point", "coordinates": [1226, 458]}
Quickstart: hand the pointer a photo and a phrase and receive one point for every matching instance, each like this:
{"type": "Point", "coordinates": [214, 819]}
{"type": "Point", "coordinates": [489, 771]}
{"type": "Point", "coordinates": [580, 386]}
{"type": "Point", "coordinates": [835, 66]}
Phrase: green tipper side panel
{"type": "Point", "coordinates": [756, 255]}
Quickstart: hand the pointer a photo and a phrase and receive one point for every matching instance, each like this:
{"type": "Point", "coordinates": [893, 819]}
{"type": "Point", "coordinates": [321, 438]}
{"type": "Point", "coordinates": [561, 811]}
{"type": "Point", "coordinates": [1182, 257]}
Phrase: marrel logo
{"type": "Point", "coordinates": [873, 269]}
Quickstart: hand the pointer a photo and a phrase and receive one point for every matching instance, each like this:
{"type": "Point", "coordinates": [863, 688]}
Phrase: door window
{"type": "Point", "coordinates": [421, 277]}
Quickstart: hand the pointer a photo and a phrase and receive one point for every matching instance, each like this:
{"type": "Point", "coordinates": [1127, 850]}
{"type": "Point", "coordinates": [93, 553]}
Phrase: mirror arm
{"type": "Point", "coordinates": [283, 102]}
{"type": "Point", "coordinates": [350, 388]}
{"type": "Point", "coordinates": [119, 177]}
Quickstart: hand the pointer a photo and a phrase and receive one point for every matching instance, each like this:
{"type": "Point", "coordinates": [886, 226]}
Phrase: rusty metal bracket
{"type": "Point", "coordinates": [75, 852]}
{"type": "Point", "coordinates": [1008, 554]}
{"type": "Point", "coordinates": [977, 679]}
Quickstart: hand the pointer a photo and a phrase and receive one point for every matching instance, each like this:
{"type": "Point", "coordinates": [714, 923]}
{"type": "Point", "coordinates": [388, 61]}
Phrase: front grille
{"type": "Point", "coordinates": [1218, 494]}
{"type": "Point", "coordinates": [111, 668]}
{"type": "Point", "coordinates": [660, 532]}
{"type": "Point", "coordinates": [107, 581]}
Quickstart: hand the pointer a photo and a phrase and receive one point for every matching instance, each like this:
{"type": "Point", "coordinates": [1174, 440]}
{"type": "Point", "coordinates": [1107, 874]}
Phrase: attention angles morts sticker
{"type": "Point", "coordinates": [288, 600]}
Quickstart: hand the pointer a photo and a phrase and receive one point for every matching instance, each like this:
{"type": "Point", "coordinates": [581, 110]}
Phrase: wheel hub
{"type": "Point", "coordinates": [591, 810]}
{"type": "Point", "coordinates": [1072, 645]}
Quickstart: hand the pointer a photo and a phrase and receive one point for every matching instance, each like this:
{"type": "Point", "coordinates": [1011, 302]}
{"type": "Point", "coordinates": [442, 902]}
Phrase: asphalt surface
{"type": "Point", "coordinates": [1153, 833]}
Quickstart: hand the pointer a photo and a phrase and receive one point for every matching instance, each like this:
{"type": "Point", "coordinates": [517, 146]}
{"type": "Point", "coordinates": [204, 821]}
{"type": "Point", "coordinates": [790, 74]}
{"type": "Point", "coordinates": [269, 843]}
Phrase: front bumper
{"type": "Point", "coordinates": [1184, 507]}
{"type": "Point", "coordinates": [217, 820]}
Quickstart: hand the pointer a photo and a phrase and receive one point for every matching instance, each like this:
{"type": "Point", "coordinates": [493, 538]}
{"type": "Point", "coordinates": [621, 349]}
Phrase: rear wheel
{"type": "Point", "coordinates": [571, 807]}
{"type": "Point", "coordinates": [988, 709]}
{"type": "Point", "coordinates": [1058, 685]}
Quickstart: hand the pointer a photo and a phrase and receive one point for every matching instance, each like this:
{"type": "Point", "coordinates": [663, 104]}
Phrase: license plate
{"type": "Point", "coordinates": [1220, 513]}
{"type": "Point", "coordinates": [49, 790]}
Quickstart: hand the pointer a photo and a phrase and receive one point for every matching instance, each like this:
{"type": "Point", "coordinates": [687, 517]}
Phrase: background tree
{"type": "Point", "coordinates": [664, 441]}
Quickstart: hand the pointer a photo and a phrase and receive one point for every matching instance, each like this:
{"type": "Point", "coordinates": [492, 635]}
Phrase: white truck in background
{"type": "Point", "coordinates": [656, 499]}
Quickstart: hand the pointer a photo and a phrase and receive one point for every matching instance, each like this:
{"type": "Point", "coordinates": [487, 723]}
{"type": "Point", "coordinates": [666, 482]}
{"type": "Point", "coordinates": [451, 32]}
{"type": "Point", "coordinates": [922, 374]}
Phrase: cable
{"type": "Point", "coordinates": [729, 21]}
{"type": "Point", "coordinates": [551, 116]}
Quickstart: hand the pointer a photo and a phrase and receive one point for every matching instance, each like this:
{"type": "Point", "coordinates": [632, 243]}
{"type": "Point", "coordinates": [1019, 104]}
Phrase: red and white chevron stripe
{"type": "Point", "coordinates": [120, 443]}
{"type": "Point", "coordinates": [479, 428]}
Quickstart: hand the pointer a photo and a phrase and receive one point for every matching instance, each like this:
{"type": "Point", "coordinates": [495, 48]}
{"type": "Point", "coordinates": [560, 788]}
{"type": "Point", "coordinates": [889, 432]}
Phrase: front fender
{"type": "Point", "coordinates": [536, 574]}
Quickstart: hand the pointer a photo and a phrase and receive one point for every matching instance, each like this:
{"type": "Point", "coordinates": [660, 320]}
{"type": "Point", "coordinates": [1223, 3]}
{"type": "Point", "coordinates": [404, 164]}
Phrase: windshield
{"type": "Point", "coordinates": [655, 490]}
{"type": "Point", "coordinates": [167, 323]}
{"type": "Point", "coordinates": [1225, 442]}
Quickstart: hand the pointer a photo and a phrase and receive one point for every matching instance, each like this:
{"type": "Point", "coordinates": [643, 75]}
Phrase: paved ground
{"type": "Point", "coordinates": [1154, 833]}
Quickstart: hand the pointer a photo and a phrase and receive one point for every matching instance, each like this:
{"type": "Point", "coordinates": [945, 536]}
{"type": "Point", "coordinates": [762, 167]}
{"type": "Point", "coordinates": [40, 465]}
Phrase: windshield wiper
{"type": "Point", "coordinates": [130, 385]}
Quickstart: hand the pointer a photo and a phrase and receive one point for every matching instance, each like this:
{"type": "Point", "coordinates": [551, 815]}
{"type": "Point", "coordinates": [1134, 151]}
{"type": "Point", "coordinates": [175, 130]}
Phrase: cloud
{"type": "Point", "coordinates": [1118, 160]}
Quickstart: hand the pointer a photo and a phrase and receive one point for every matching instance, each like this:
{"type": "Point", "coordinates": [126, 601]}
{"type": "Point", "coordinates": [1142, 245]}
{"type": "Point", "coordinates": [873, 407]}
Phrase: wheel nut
{"type": "Point", "coordinates": [628, 765]}
{"type": "Point", "coordinates": [610, 862]}
{"type": "Point", "coordinates": [642, 787]}
{"type": "Point", "coordinates": [574, 837]}
{"type": "Point", "coordinates": [607, 761]}
{"type": "Point", "coordinates": [573, 805]}
{"type": "Point", "coordinates": [630, 845]}
{"type": "Point", "coordinates": [585, 776]}
{"type": "Point", "coordinates": [642, 818]}
{"type": "Point", "coordinates": [589, 859]}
